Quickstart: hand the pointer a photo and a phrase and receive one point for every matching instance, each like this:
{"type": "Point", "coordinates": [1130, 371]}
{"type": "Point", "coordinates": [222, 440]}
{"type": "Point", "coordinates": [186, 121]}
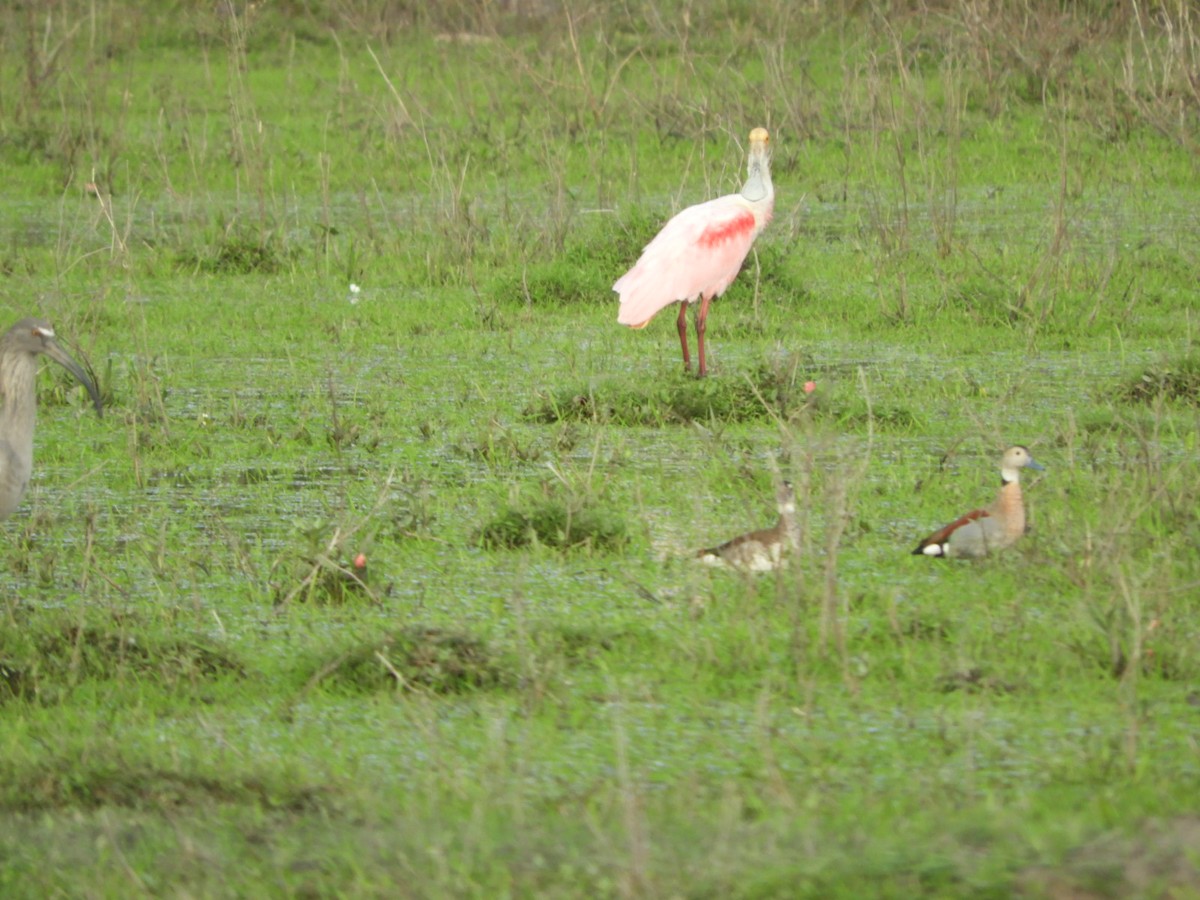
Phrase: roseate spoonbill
{"type": "Point", "coordinates": [994, 528]}
{"type": "Point", "coordinates": [699, 252]}
{"type": "Point", "coordinates": [763, 550]}
{"type": "Point", "coordinates": [19, 347]}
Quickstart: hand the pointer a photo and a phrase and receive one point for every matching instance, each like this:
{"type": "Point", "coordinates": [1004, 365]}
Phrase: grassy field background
{"type": "Point", "coordinates": [985, 233]}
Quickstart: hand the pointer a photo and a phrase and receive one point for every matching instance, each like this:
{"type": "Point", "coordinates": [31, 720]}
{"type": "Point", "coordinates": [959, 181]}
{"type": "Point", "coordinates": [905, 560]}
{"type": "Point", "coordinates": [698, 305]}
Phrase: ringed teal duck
{"type": "Point", "coordinates": [993, 528]}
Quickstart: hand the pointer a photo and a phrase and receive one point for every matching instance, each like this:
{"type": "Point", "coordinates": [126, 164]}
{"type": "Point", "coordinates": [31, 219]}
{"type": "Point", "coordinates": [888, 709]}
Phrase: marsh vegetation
{"type": "Point", "coordinates": [985, 233]}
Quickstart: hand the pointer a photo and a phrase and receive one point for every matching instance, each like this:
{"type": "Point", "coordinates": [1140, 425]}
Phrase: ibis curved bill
{"type": "Point", "coordinates": [20, 347]}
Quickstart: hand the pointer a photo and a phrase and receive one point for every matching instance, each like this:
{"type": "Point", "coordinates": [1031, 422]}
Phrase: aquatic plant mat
{"type": "Point", "coordinates": [376, 578]}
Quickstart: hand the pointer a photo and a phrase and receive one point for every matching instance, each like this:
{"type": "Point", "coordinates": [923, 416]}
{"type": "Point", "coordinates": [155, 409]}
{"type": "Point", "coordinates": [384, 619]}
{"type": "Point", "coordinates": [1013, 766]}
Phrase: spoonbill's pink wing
{"type": "Point", "coordinates": [698, 252]}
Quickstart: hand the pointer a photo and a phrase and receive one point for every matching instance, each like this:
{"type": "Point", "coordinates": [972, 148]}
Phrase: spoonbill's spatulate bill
{"type": "Point", "coordinates": [699, 253]}
{"type": "Point", "coordinates": [993, 528]}
{"type": "Point", "coordinates": [19, 349]}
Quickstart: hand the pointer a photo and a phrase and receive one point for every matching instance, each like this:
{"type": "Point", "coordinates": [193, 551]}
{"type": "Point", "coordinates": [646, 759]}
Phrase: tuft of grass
{"type": "Point", "coordinates": [1158, 860]}
{"type": "Point", "coordinates": [1119, 643]}
{"type": "Point", "coordinates": [435, 660]}
{"type": "Point", "coordinates": [774, 389]}
{"type": "Point", "coordinates": [235, 251]}
{"type": "Point", "coordinates": [1177, 381]}
{"type": "Point", "coordinates": [42, 660]}
{"type": "Point", "coordinates": [580, 645]}
{"type": "Point", "coordinates": [973, 680]}
{"type": "Point", "coordinates": [322, 580]}
{"type": "Point", "coordinates": [56, 782]}
{"type": "Point", "coordinates": [558, 520]}
{"type": "Point", "coordinates": [332, 568]}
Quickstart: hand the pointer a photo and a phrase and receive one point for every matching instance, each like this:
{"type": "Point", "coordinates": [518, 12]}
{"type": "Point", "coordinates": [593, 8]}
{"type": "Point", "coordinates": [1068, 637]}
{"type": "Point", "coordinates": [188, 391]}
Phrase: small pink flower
{"type": "Point", "coordinates": [809, 387]}
{"type": "Point", "coordinates": [360, 561]}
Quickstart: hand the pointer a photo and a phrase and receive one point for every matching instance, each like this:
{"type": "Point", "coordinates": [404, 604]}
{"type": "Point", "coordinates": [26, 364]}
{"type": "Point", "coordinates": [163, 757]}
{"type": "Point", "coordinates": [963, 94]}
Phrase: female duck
{"type": "Point", "coordinates": [762, 550]}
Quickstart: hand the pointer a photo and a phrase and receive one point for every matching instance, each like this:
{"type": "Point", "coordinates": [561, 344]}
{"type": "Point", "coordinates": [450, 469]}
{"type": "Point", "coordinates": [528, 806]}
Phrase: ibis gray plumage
{"type": "Point", "coordinates": [19, 350]}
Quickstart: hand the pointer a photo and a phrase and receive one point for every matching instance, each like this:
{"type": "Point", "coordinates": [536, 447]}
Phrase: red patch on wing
{"type": "Point", "coordinates": [739, 226]}
{"type": "Point", "coordinates": [943, 534]}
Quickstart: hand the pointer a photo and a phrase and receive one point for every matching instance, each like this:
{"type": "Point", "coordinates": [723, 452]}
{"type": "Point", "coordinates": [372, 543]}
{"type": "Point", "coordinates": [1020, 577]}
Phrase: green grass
{"type": "Point", "coordinates": [984, 234]}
